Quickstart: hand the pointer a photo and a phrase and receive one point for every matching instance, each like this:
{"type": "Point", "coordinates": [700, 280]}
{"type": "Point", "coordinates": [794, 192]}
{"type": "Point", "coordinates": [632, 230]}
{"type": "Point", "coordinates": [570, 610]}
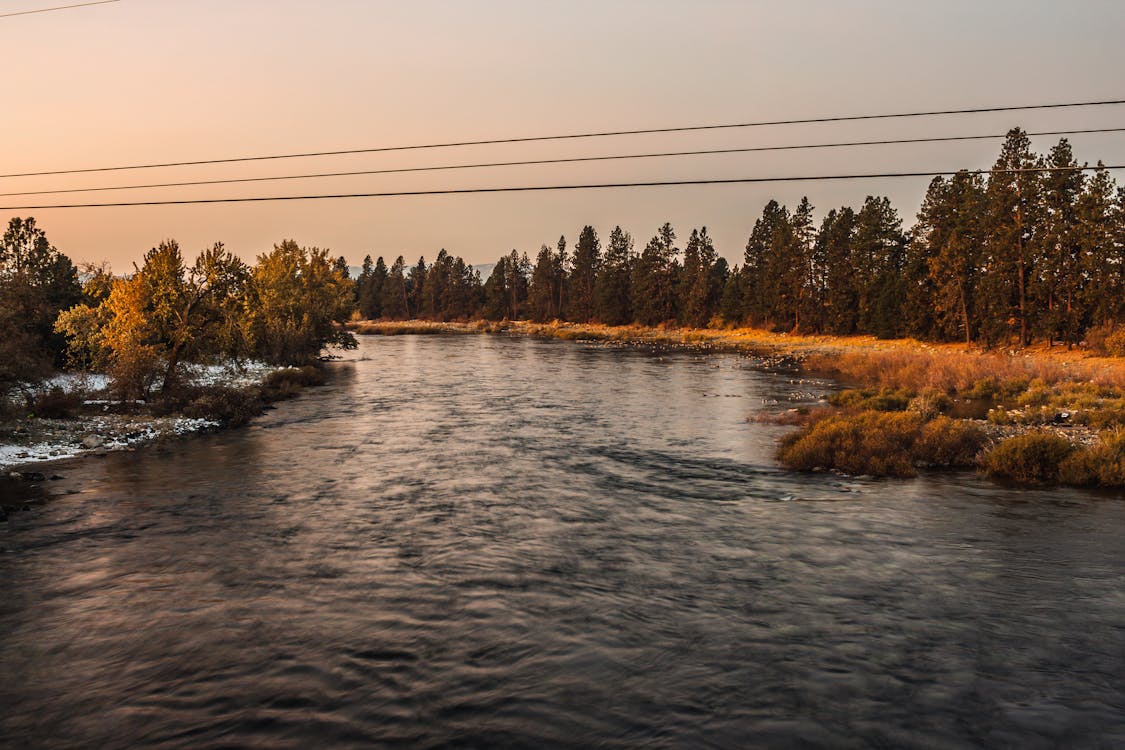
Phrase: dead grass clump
{"type": "Point", "coordinates": [870, 442]}
{"type": "Point", "coordinates": [1031, 458]}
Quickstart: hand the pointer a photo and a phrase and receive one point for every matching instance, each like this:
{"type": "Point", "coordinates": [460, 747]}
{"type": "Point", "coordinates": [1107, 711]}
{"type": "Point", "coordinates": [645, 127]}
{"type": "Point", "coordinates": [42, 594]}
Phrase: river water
{"type": "Point", "coordinates": [484, 541]}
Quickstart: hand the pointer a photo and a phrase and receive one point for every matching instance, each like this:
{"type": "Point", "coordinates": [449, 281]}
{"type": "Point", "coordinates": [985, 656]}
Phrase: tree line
{"type": "Point", "coordinates": [1033, 250]}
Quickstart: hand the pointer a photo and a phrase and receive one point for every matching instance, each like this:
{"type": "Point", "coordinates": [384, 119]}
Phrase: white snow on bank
{"type": "Point", "coordinates": [52, 440]}
{"type": "Point", "coordinates": [98, 435]}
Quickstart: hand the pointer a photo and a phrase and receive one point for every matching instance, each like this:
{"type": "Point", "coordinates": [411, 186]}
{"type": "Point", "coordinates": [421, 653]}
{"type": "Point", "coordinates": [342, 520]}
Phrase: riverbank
{"type": "Point", "coordinates": [71, 416]}
{"type": "Point", "coordinates": [1036, 415]}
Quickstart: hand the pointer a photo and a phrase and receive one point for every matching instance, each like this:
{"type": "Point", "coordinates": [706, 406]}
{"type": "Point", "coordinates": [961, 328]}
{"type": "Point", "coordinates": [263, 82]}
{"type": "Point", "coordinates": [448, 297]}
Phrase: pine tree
{"type": "Point", "coordinates": [612, 294]}
{"type": "Point", "coordinates": [761, 268]}
{"type": "Point", "coordinates": [654, 278]}
{"type": "Point", "coordinates": [878, 257]}
{"type": "Point", "coordinates": [1011, 222]}
{"type": "Point", "coordinates": [541, 292]}
{"type": "Point", "coordinates": [395, 302]}
{"type": "Point", "coordinates": [948, 237]}
{"type": "Point", "coordinates": [840, 291]}
{"type": "Point", "coordinates": [416, 289]}
{"type": "Point", "coordinates": [1058, 281]}
{"type": "Point", "coordinates": [1101, 244]}
{"type": "Point", "coordinates": [583, 277]}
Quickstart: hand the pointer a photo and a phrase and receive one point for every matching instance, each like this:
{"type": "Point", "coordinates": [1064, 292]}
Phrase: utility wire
{"type": "Point", "coordinates": [573, 136]}
{"type": "Point", "coordinates": [539, 188]}
{"type": "Point", "coordinates": [57, 7]}
{"type": "Point", "coordinates": [570, 160]}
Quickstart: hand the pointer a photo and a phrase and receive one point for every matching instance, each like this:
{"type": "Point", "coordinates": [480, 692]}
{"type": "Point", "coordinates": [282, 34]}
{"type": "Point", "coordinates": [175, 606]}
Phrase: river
{"type": "Point", "coordinates": [483, 541]}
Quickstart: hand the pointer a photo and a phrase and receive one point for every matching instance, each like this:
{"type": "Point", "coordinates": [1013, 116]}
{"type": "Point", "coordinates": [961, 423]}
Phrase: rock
{"type": "Point", "coordinates": [28, 476]}
{"type": "Point", "coordinates": [92, 441]}
{"type": "Point", "coordinates": [56, 477]}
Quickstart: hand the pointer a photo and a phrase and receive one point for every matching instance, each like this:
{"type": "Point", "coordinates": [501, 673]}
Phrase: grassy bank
{"type": "Point", "coordinates": [1037, 415]}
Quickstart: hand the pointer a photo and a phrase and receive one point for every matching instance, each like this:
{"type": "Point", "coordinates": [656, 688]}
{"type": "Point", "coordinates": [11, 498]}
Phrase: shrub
{"type": "Point", "coordinates": [948, 442]}
{"type": "Point", "coordinates": [868, 442]}
{"type": "Point", "coordinates": [233, 407]}
{"type": "Point", "coordinates": [54, 403]}
{"type": "Point", "coordinates": [287, 383]}
{"type": "Point", "coordinates": [1115, 343]}
{"type": "Point", "coordinates": [1100, 465]}
{"type": "Point", "coordinates": [1032, 458]}
{"type": "Point", "coordinates": [885, 399]}
{"type": "Point", "coordinates": [930, 403]}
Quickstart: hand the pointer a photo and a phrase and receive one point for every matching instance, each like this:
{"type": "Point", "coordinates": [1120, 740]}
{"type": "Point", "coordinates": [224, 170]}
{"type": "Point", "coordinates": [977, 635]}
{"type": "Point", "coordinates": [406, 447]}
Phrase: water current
{"type": "Point", "coordinates": [484, 541]}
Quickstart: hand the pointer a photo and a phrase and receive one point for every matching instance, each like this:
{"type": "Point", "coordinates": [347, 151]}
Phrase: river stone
{"type": "Point", "coordinates": [92, 441]}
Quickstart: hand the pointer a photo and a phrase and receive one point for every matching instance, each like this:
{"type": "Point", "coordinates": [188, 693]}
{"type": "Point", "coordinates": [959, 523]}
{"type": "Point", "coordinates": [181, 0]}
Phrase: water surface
{"type": "Point", "coordinates": [484, 541]}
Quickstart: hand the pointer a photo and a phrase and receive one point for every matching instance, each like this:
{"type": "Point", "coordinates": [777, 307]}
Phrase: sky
{"type": "Point", "coordinates": [142, 81]}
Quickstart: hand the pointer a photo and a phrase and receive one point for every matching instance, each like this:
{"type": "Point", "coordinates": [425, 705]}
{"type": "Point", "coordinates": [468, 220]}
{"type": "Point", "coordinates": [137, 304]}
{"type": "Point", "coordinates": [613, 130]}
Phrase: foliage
{"type": "Point", "coordinates": [1031, 458]}
{"type": "Point", "coordinates": [36, 282]}
{"type": "Point", "coordinates": [295, 302]}
{"type": "Point", "coordinates": [867, 442]}
{"type": "Point", "coordinates": [1100, 465]}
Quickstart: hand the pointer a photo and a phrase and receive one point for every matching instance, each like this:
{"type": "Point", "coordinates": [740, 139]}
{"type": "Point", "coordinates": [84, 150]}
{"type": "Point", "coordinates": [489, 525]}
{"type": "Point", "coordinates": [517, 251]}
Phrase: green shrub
{"type": "Point", "coordinates": [948, 442]}
{"type": "Point", "coordinates": [869, 442]}
{"type": "Point", "coordinates": [1032, 458]}
{"type": "Point", "coordinates": [1100, 465]}
{"type": "Point", "coordinates": [886, 399]}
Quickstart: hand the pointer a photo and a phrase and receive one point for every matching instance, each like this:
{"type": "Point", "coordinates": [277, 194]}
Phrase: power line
{"type": "Point", "coordinates": [569, 160]}
{"type": "Point", "coordinates": [539, 188]}
{"type": "Point", "coordinates": [57, 7]}
{"type": "Point", "coordinates": [572, 136]}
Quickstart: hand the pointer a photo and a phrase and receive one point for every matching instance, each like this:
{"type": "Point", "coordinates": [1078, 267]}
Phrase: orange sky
{"type": "Point", "coordinates": [155, 80]}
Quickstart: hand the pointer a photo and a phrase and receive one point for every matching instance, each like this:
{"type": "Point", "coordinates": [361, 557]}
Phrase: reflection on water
{"type": "Point", "coordinates": [492, 542]}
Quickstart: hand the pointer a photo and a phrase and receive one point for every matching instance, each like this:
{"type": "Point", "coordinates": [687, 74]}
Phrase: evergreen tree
{"type": "Point", "coordinates": [1012, 207]}
{"type": "Point", "coordinates": [612, 293]}
{"type": "Point", "coordinates": [416, 289]}
{"type": "Point", "coordinates": [948, 235]}
{"type": "Point", "coordinates": [1101, 246]}
{"type": "Point", "coordinates": [541, 293]}
{"type": "Point", "coordinates": [761, 267]}
{"type": "Point", "coordinates": [654, 279]}
{"type": "Point", "coordinates": [840, 290]}
{"type": "Point", "coordinates": [583, 277]}
{"type": "Point", "coordinates": [1058, 282]}
{"type": "Point", "coordinates": [395, 297]}
{"type": "Point", "coordinates": [878, 258]}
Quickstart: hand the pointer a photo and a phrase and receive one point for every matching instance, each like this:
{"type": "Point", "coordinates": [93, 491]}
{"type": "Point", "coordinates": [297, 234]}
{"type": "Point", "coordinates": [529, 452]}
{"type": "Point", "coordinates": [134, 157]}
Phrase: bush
{"type": "Point", "coordinates": [1033, 458]}
{"type": "Point", "coordinates": [1101, 465]}
{"type": "Point", "coordinates": [948, 442]}
{"type": "Point", "coordinates": [1115, 343]}
{"type": "Point", "coordinates": [930, 403]}
{"type": "Point", "coordinates": [886, 399]}
{"type": "Point", "coordinates": [287, 383]}
{"type": "Point", "coordinates": [54, 403]}
{"type": "Point", "coordinates": [233, 407]}
{"type": "Point", "coordinates": [869, 442]}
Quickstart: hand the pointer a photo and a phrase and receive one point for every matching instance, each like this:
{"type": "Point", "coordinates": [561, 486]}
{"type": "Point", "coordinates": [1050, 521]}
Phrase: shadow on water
{"type": "Point", "coordinates": [494, 542]}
